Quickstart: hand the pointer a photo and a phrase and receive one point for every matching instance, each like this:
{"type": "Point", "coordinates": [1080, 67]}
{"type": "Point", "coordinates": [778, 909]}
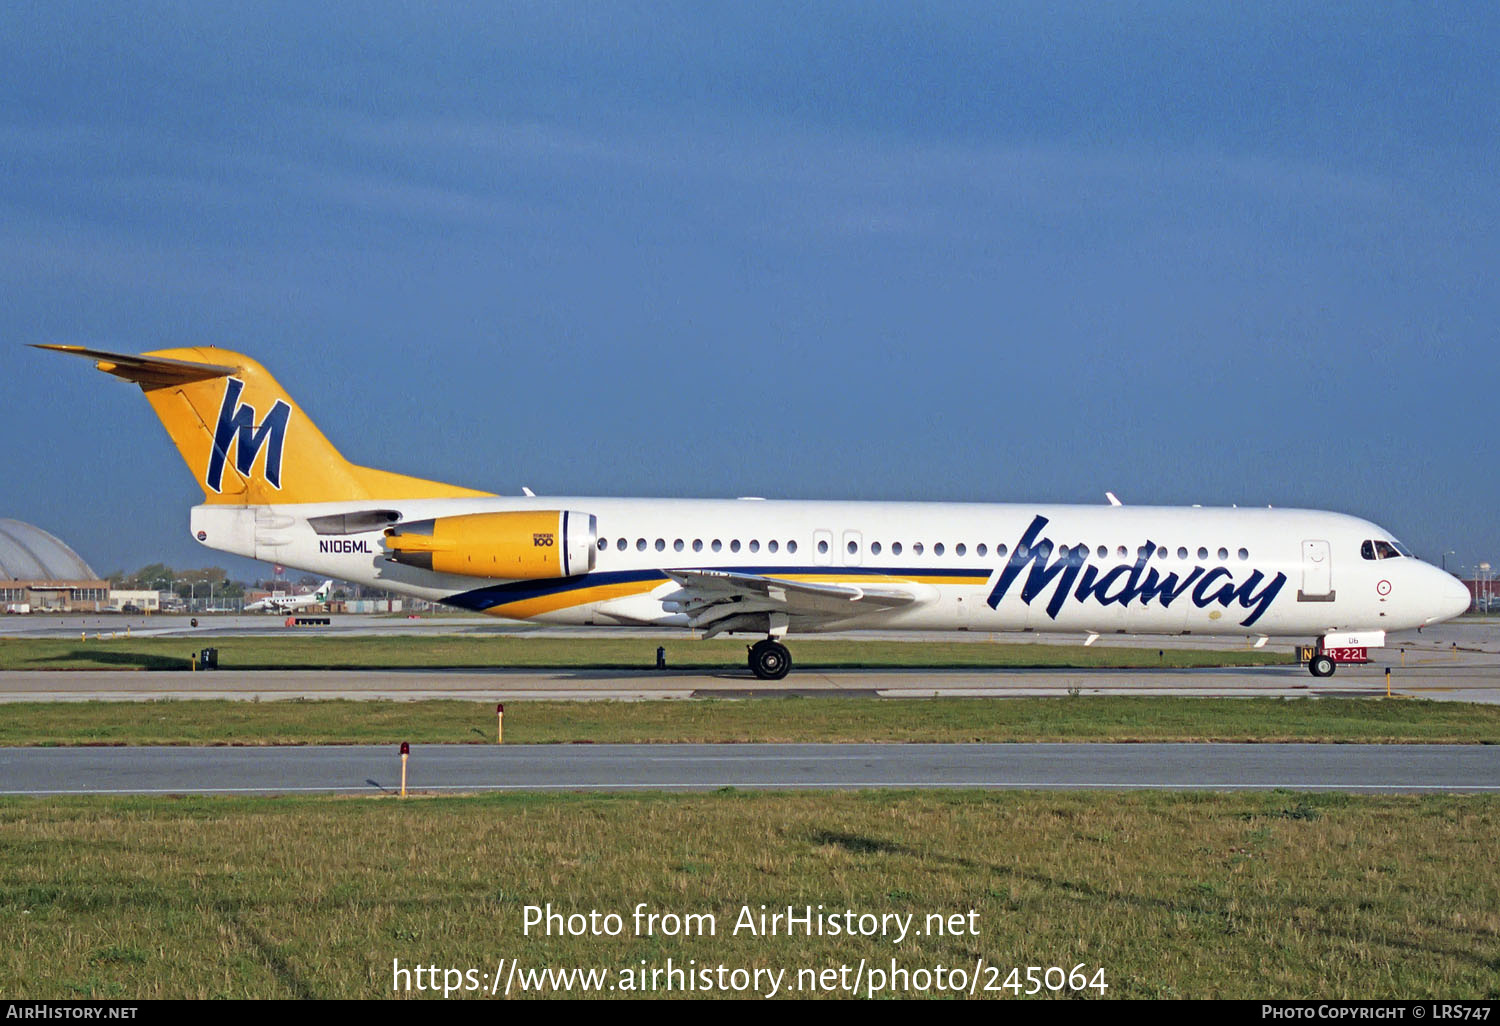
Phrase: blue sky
{"type": "Point", "coordinates": [1196, 252]}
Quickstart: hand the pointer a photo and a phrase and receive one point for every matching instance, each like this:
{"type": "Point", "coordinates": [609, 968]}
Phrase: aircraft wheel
{"type": "Point", "coordinates": [770, 660]}
{"type": "Point", "coordinates": [1321, 665]}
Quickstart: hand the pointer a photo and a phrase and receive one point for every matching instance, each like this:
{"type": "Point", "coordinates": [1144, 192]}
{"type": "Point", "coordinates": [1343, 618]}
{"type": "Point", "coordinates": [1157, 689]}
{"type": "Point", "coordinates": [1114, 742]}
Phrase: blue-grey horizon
{"type": "Point", "coordinates": [1191, 253]}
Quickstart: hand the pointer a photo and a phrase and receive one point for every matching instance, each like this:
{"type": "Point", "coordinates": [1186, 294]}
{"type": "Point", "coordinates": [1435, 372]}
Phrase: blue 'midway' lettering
{"type": "Point", "coordinates": [1123, 583]}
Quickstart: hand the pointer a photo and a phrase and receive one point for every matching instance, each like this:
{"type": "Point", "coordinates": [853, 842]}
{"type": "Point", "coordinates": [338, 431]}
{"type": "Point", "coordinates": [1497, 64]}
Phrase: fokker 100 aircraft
{"type": "Point", "coordinates": [276, 490]}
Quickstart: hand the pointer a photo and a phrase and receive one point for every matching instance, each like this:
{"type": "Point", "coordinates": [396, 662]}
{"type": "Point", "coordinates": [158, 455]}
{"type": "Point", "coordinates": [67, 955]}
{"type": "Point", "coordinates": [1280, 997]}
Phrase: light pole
{"type": "Point", "coordinates": [192, 590]}
{"type": "Point", "coordinates": [1450, 552]}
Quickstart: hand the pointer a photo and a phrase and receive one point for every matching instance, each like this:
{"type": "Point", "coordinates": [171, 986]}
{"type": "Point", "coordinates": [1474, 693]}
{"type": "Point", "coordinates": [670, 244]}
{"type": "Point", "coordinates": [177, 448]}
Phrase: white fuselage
{"type": "Point", "coordinates": [983, 567]}
{"type": "Point", "coordinates": [282, 603]}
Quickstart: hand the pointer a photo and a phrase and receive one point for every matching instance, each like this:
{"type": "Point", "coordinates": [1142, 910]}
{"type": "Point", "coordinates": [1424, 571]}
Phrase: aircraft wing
{"type": "Point", "coordinates": [717, 600]}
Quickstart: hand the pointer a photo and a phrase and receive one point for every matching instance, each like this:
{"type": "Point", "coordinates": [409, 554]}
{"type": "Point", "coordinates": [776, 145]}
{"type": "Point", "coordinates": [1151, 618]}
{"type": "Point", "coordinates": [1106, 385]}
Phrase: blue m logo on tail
{"type": "Point", "coordinates": [237, 427]}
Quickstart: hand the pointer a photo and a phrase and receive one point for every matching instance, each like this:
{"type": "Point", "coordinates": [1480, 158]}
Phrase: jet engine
{"type": "Point", "coordinates": [524, 545]}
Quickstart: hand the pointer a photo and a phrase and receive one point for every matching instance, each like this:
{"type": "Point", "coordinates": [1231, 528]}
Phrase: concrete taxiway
{"type": "Point", "coordinates": [458, 768]}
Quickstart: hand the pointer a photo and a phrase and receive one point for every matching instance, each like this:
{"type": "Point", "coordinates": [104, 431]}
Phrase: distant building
{"type": "Point", "coordinates": [38, 573]}
{"type": "Point", "coordinates": [136, 601]}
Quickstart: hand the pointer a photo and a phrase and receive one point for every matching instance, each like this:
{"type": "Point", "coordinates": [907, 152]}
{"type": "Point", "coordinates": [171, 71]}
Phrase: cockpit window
{"type": "Point", "coordinates": [1382, 550]}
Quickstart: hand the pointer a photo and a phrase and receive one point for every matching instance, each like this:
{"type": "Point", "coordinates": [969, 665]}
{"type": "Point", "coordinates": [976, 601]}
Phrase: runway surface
{"type": "Point", "coordinates": [1468, 678]}
{"type": "Point", "coordinates": [458, 768]}
{"type": "Point", "coordinates": [1458, 661]}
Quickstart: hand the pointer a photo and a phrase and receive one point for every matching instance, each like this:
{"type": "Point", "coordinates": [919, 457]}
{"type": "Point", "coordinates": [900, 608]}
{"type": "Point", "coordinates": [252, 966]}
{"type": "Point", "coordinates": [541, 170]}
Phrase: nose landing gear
{"type": "Point", "coordinates": [1321, 664]}
{"type": "Point", "coordinates": [770, 660]}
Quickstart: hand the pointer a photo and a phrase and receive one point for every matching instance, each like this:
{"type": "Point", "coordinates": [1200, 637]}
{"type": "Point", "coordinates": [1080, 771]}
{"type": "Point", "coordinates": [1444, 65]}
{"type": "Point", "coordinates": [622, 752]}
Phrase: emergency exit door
{"type": "Point", "coordinates": [1317, 573]}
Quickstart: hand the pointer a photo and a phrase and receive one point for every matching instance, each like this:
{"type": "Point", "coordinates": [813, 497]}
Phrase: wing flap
{"type": "Point", "coordinates": [710, 597]}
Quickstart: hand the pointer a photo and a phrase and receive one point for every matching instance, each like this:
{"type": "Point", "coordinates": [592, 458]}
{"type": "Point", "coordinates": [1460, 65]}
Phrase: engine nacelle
{"type": "Point", "coordinates": [524, 545]}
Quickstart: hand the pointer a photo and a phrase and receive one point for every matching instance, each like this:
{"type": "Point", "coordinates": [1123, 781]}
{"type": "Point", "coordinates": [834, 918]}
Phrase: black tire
{"type": "Point", "coordinates": [1321, 665]}
{"type": "Point", "coordinates": [770, 660]}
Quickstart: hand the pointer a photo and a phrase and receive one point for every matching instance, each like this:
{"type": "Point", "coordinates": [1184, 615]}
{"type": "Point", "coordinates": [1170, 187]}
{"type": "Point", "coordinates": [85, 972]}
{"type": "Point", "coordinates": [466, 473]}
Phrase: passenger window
{"type": "Point", "coordinates": [677, 545]}
{"type": "Point", "coordinates": [1182, 552]}
{"type": "Point", "coordinates": [853, 547]}
{"type": "Point", "coordinates": [1001, 550]}
{"type": "Point", "coordinates": [697, 544]}
{"type": "Point", "coordinates": [874, 548]}
{"type": "Point", "coordinates": [754, 545]}
{"type": "Point", "coordinates": [982, 550]}
{"type": "Point", "coordinates": [772, 546]}
{"type": "Point", "coordinates": [603, 544]}
{"type": "Point", "coordinates": [916, 547]}
{"type": "Point", "coordinates": [717, 545]}
{"type": "Point", "coordinates": [1103, 551]}
{"type": "Point", "coordinates": [1223, 555]}
{"type": "Point", "coordinates": [640, 545]}
{"type": "Point", "coordinates": [937, 550]}
{"type": "Point", "coordinates": [959, 549]}
{"type": "Point", "coordinates": [822, 546]}
{"type": "Point", "coordinates": [791, 546]}
{"type": "Point", "coordinates": [1244, 554]}
{"type": "Point", "coordinates": [895, 548]}
{"type": "Point", "coordinates": [1202, 552]}
{"type": "Point", "coordinates": [734, 546]}
{"type": "Point", "coordinates": [621, 544]}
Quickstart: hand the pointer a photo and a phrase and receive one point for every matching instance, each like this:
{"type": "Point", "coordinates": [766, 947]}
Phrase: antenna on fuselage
{"type": "Point", "coordinates": [1112, 500]}
{"type": "Point", "coordinates": [528, 492]}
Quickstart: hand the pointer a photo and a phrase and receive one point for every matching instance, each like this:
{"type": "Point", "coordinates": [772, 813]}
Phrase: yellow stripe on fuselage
{"type": "Point", "coordinates": [525, 609]}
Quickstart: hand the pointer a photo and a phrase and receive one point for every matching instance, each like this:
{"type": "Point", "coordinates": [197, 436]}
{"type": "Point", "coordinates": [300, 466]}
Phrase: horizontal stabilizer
{"type": "Point", "coordinates": [147, 371]}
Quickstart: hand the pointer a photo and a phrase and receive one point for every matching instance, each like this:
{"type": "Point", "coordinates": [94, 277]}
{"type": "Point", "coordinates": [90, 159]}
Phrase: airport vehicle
{"type": "Point", "coordinates": [275, 489]}
{"type": "Point", "coordinates": [288, 603]}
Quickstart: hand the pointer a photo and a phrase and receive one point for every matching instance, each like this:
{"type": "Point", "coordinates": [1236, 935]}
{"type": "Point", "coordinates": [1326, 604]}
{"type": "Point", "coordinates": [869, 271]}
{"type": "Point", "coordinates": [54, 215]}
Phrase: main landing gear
{"type": "Point", "coordinates": [770, 660]}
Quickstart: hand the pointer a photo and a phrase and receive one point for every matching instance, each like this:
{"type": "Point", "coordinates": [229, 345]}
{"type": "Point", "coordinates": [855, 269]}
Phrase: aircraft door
{"type": "Point", "coordinates": [1317, 573]}
{"type": "Point", "coordinates": [823, 548]}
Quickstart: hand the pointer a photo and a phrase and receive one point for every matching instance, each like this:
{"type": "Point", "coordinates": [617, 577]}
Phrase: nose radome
{"type": "Point", "coordinates": [1453, 598]}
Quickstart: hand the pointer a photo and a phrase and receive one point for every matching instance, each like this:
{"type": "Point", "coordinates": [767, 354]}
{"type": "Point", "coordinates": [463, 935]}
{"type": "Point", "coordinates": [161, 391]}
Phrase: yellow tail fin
{"type": "Point", "coordinates": [243, 437]}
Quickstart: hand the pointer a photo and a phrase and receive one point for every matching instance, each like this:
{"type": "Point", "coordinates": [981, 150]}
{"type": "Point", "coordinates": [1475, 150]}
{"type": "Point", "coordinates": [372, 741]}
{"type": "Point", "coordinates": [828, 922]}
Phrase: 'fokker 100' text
{"type": "Point", "coordinates": [1125, 582]}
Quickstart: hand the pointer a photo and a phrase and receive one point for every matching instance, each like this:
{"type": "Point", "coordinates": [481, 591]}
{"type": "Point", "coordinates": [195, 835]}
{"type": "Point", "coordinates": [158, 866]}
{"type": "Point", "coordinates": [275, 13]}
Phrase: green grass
{"type": "Point", "coordinates": [1202, 896]}
{"type": "Point", "coordinates": [311, 652]}
{"type": "Point", "coordinates": [1090, 718]}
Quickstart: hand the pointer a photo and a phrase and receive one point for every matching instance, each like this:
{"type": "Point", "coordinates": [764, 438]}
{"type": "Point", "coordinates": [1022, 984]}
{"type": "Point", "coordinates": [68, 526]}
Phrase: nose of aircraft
{"type": "Point", "coordinates": [1451, 597]}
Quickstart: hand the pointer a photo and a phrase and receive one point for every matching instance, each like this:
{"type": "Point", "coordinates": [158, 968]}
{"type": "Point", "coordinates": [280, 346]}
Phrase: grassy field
{"type": "Point", "coordinates": [1242, 896]}
{"type": "Point", "coordinates": [311, 652]}
{"type": "Point", "coordinates": [764, 719]}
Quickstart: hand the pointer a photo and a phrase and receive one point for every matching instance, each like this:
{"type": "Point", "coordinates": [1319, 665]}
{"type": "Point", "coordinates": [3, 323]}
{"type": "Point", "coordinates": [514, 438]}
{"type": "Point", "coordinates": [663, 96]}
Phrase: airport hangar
{"type": "Point", "coordinates": [40, 573]}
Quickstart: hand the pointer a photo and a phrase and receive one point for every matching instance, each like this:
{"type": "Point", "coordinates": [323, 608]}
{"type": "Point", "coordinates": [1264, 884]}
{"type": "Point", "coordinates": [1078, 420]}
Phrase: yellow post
{"type": "Point", "coordinates": [1403, 658]}
{"type": "Point", "coordinates": [405, 751]}
{"type": "Point", "coordinates": [1387, 682]}
{"type": "Point", "coordinates": [83, 635]}
{"type": "Point", "coordinates": [499, 723]}
{"type": "Point", "coordinates": [195, 662]}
